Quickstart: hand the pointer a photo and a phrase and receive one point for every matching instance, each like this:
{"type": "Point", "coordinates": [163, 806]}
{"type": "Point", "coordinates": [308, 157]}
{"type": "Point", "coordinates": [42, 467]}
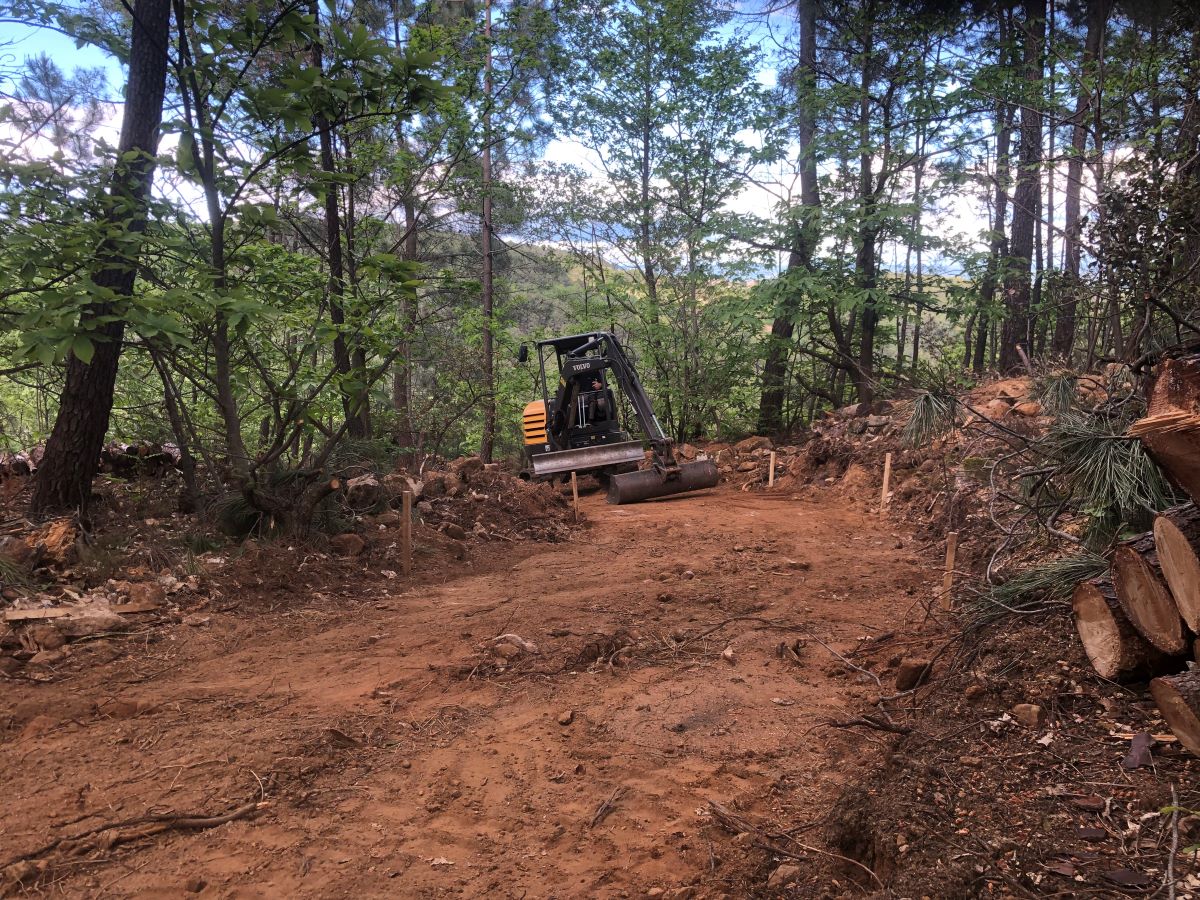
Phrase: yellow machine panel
{"type": "Point", "coordinates": [535, 422]}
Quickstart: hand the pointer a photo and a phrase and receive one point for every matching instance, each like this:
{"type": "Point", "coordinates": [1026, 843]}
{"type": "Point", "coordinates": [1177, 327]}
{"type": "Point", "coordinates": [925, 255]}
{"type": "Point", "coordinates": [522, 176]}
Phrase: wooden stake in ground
{"type": "Point", "coordinates": [887, 482]}
{"type": "Point", "coordinates": [771, 471]}
{"type": "Point", "coordinates": [406, 532]}
{"type": "Point", "coordinates": [1177, 540]}
{"type": "Point", "coordinates": [1113, 646]}
{"type": "Point", "coordinates": [1178, 699]}
{"type": "Point", "coordinates": [575, 494]}
{"type": "Point", "coordinates": [948, 578]}
{"type": "Point", "coordinates": [1144, 596]}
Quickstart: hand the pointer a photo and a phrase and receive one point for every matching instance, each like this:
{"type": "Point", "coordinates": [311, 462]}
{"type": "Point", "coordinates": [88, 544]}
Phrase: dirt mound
{"type": "Point", "coordinates": [483, 501]}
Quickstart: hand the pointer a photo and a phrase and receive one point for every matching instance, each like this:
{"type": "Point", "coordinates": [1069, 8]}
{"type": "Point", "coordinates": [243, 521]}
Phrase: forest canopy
{"type": "Point", "coordinates": [274, 234]}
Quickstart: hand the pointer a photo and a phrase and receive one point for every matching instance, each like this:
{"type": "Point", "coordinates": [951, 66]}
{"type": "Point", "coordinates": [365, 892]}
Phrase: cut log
{"type": "Point", "coordinates": [1177, 540]}
{"type": "Point", "coordinates": [1113, 646]}
{"type": "Point", "coordinates": [1171, 429]}
{"type": "Point", "coordinates": [1178, 699]}
{"type": "Point", "coordinates": [1144, 595]}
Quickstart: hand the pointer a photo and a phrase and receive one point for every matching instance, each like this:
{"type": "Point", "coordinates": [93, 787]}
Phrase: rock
{"type": "Point", "coordinates": [748, 466]}
{"type": "Point", "coordinates": [853, 411]}
{"type": "Point", "coordinates": [567, 717]}
{"type": "Point", "coordinates": [47, 637]}
{"type": "Point", "coordinates": [452, 530]}
{"type": "Point", "coordinates": [782, 876]}
{"type": "Point", "coordinates": [750, 444]}
{"type": "Point", "coordinates": [728, 654]}
{"type": "Point", "coordinates": [877, 422]}
{"type": "Point", "coordinates": [146, 593]}
{"type": "Point", "coordinates": [1030, 409]}
{"type": "Point", "coordinates": [508, 651]}
{"type": "Point", "coordinates": [48, 658]}
{"type": "Point", "coordinates": [10, 594]}
{"type": "Point", "coordinates": [687, 451]}
{"type": "Point", "coordinates": [655, 892]}
{"type": "Point", "coordinates": [434, 486]}
{"type": "Point", "coordinates": [17, 552]}
{"type": "Point", "coordinates": [9, 666]}
{"type": "Point", "coordinates": [996, 409]}
{"type": "Point", "coordinates": [687, 892]}
{"type": "Point", "coordinates": [348, 544]}
{"type": "Point", "coordinates": [396, 483]}
{"type": "Point", "coordinates": [973, 692]}
{"type": "Point", "coordinates": [1029, 714]}
{"type": "Point", "coordinates": [196, 620]}
{"type": "Point", "coordinates": [195, 884]}
{"type": "Point", "coordinates": [912, 673]}
{"type": "Point", "coordinates": [466, 467]}
{"type": "Point", "coordinates": [363, 492]}
{"type": "Point", "coordinates": [90, 621]}
{"type": "Point", "coordinates": [389, 519]}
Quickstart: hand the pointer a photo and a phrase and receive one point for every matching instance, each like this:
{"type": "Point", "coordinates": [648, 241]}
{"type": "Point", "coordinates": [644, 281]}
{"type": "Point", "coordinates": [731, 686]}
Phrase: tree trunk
{"type": "Point", "coordinates": [1177, 537]}
{"type": "Point", "coordinates": [999, 240]}
{"type": "Point", "coordinates": [64, 479]}
{"type": "Point", "coordinates": [866, 264]}
{"type": "Point", "coordinates": [805, 233]}
{"type": "Point", "coordinates": [1064, 327]}
{"type": "Point", "coordinates": [336, 289]}
{"type": "Point", "coordinates": [1144, 596]}
{"type": "Point", "coordinates": [1178, 699]}
{"type": "Point", "coordinates": [1018, 279]}
{"type": "Point", "coordinates": [489, 364]}
{"type": "Point", "coordinates": [1113, 646]}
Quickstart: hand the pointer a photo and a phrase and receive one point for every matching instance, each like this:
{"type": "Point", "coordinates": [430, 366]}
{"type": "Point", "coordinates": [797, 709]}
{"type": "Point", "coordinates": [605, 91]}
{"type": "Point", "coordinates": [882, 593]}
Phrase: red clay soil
{"type": "Point", "coordinates": [372, 738]}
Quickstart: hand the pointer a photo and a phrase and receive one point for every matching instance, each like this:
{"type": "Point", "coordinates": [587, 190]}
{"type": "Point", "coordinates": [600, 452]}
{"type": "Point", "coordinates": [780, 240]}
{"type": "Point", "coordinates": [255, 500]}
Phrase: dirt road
{"type": "Point", "coordinates": [393, 752]}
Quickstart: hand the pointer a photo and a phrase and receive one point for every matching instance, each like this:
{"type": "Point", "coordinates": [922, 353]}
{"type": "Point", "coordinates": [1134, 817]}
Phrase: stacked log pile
{"type": "Point", "coordinates": [1142, 620]}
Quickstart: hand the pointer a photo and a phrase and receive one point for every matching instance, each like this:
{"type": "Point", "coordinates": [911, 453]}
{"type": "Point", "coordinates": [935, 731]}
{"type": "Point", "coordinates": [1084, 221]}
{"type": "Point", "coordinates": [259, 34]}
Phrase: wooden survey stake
{"type": "Point", "coordinates": [575, 494]}
{"type": "Point", "coordinates": [771, 473]}
{"type": "Point", "coordinates": [406, 533]}
{"type": "Point", "coordinates": [887, 482]}
{"type": "Point", "coordinates": [948, 578]}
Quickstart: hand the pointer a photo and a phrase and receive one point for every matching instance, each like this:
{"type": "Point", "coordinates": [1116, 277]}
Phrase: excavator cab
{"type": "Point", "coordinates": [580, 428]}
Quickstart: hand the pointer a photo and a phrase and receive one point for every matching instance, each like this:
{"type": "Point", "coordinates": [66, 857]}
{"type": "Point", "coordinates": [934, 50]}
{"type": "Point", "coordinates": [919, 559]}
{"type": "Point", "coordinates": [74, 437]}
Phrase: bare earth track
{"type": "Point", "coordinates": [391, 753]}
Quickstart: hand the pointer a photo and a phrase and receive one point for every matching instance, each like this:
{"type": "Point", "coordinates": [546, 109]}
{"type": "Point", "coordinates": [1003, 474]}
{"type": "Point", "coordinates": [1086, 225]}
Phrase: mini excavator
{"type": "Point", "coordinates": [579, 429]}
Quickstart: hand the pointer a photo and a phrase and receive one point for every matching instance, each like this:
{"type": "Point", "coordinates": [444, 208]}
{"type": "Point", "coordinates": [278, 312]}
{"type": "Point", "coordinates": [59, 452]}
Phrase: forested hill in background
{"type": "Point", "coordinates": [329, 222]}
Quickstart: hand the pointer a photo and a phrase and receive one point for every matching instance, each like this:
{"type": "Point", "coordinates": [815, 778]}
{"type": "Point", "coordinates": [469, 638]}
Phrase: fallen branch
{"type": "Point", "coordinates": [879, 723]}
{"type": "Point", "coordinates": [77, 844]}
{"type": "Point", "coordinates": [603, 810]}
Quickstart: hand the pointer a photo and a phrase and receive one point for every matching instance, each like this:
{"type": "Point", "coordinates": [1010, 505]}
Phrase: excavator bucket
{"type": "Point", "coordinates": [634, 487]}
{"type": "Point", "coordinates": [586, 459]}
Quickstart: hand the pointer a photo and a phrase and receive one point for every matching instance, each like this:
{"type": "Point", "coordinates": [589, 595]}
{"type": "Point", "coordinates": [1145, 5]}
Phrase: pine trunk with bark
{"type": "Point", "coordinates": [1018, 280]}
{"type": "Point", "coordinates": [1177, 538]}
{"type": "Point", "coordinates": [1178, 699]}
{"type": "Point", "coordinates": [1113, 646]}
{"type": "Point", "coordinates": [805, 232]}
{"type": "Point", "coordinates": [1144, 596]}
{"type": "Point", "coordinates": [64, 479]}
{"type": "Point", "coordinates": [1064, 327]}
